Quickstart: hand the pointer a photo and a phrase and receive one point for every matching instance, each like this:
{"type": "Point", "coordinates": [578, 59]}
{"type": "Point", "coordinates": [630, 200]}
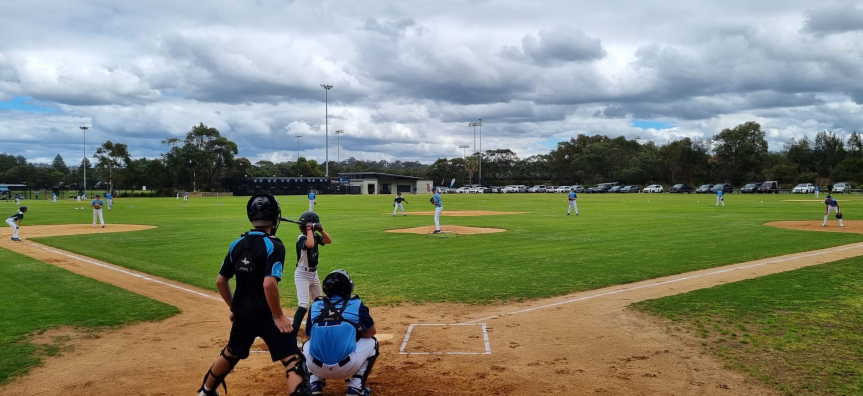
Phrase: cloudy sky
{"type": "Point", "coordinates": [409, 76]}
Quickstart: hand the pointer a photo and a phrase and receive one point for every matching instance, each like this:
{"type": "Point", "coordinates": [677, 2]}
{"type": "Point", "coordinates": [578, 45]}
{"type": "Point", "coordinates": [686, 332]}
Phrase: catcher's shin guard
{"type": "Point", "coordinates": [220, 379]}
{"type": "Point", "coordinates": [305, 386]}
{"type": "Point", "coordinates": [371, 363]}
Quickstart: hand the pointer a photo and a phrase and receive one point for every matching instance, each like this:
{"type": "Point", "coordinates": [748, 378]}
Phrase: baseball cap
{"type": "Point", "coordinates": [98, 196]}
{"type": "Point", "coordinates": [434, 188]}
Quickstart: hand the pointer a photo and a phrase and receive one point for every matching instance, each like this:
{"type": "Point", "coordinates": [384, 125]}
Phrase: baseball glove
{"type": "Point", "coordinates": [97, 206]}
{"type": "Point", "coordinates": [838, 215]}
{"type": "Point", "coordinates": [431, 200]}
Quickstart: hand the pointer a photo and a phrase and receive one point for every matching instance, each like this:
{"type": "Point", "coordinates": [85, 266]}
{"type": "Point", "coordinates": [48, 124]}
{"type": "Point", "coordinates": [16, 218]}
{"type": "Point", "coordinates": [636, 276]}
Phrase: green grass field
{"type": "Point", "coordinates": [617, 239]}
{"type": "Point", "coordinates": [36, 297]}
{"type": "Point", "coordinates": [799, 331]}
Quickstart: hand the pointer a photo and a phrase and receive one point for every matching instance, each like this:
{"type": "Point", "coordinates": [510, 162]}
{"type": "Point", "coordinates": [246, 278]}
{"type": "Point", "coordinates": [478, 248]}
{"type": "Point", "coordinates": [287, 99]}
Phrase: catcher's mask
{"type": "Point", "coordinates": [264, 207]}
{"type": "Point", "coordinates": [338, 283]}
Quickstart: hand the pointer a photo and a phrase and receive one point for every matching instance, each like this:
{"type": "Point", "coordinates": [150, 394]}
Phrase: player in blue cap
{"type": "Point", "coordinates": [438, 208]}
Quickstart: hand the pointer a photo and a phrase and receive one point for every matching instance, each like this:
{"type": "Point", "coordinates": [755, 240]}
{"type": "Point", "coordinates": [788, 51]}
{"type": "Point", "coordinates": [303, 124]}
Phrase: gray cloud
{"type": "Point", "coordinates": [561, 44]}
{"type": "Point", "coordinates": [837, 18]}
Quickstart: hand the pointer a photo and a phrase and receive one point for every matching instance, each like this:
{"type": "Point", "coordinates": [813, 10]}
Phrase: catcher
{"type": "Point", "coordinates": [832, 206]}
{"type": "Point", "coordinates": [257, 259]}
{"type": "Point", "coordinates": [97, 210]}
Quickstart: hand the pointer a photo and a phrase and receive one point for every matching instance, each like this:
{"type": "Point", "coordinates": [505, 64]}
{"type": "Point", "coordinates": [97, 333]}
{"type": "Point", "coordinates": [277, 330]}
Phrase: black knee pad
{"type": "Point", "coordinates": [305, 386]}
{"type": "Point", "coordinates": [232, 361]}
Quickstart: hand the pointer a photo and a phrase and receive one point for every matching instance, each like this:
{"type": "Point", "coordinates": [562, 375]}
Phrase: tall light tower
{"type": "Point", "coordinates": [464, 148]}
{"type": "Point", "coordinates": [84, 163]}
{"type": "Point", "coordinates": [327, 124]}
{"type": "Point", "coordinates": [298, 146]}
{"type": "Point", "coordinates": [479, 124]}
{"type": "Point", "coordinates": [339, 145]}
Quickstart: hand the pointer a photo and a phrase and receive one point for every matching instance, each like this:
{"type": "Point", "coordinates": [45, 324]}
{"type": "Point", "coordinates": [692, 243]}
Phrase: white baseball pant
{"type": "Point", "coordinates": [831, 209]}
{"type": "Point", "coordinates": [720, 200]}
{"type": "Point", "coordinates": [97, 213]}
{"type": "Point", "coordinates": [308, 286]}
{"type": "Point", "coordinates": [356, 367]}
{"type": "Point", "coordinates": [437, 212]}
{"type": "Point", "coordinates": [14, 227]}
{"type": "Point", "coordinates": [54, 199]}
{"type": "Point", "coordinates": [311, 206]}
{"type": "Point", "coordinates": [110, 203]}
{"type": "Point", "coordinates": [572, 205]}
{"type": "Point", "coordinates": [399, 205]}
{"type": "Point", "coordinates": [816, 193]}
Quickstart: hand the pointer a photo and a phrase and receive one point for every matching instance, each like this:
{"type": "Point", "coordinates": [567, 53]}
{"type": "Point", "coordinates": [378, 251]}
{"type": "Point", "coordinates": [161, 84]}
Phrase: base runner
{"type": "Point", "coordinates": [15, 222]}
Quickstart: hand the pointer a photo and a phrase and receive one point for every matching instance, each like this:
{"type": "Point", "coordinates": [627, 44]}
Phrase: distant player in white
{"type": "Point", "coordinates": [816, 191]}
{"type": "Point", "coordinates": [572, 204]}
{"type": "Point", "coordinates": [397, 203]}
{"type": "Point", "coordinates": [186, 197]}
{"type": "Point", "coordinates": [438, 208]}
{"type": "Point", "coordinates": [17, 199]}
{"type": "Point", "coordinates": [109, 198]}
{"type": "Point", "coordinates": [719, 198]}
{"type": "Point", "coordinates": [53, 197]}
{"type": "Point", "coordinates": [312, 200]}
{"type": "Point", "coordinates": [178, 194]}
{"type": "Point", "coordinates": [832, 206]}
{"type": "Point", "coordinates": [97, 210]}
{"type": "Point", "coordinates": [79, 196]}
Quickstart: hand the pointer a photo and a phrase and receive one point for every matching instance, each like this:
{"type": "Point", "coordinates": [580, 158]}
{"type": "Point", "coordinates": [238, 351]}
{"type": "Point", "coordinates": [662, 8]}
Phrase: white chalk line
{"type": "Point", "coordinates": [411, 328]}
{"type": "Point", "coordinates": [144, 277]}
{"type": "Point", "coordinates": [634, 288]}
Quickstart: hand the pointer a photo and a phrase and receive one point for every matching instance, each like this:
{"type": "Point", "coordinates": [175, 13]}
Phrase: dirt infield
{"type": "Point", "coordinates": [583, 343]}
{"type": "Point", "coordinates": [461, 213]}
{"type": "Point", "coordinates": [851, 226]}
{"type": "Point", "coordinates": [461, 230]}
{"type": "Point", "coordinates": [69, 229]}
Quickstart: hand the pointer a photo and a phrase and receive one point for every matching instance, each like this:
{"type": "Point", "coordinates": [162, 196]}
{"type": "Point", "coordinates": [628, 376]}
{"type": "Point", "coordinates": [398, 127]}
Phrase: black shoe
{"type": "Point", "coordinates": [436, 232]}
{"type": "Point", "coordinates": [567, 214]}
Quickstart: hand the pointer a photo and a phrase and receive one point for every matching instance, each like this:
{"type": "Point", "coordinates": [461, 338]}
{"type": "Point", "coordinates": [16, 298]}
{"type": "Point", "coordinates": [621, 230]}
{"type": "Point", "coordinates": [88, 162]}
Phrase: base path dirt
{"type": "Point", "coordinates": [461, 213]}
{"type": "Point", "coordinates": [578, 344]}
{"type": "Point", "coordinates": [461, 230]}
{"type": "Point", "coordinates": [851, 226]}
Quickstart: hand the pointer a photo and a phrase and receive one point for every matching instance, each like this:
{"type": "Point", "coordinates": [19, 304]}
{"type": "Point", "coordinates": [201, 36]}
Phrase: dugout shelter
{"type": "Point", "coordinates": [385, 183]}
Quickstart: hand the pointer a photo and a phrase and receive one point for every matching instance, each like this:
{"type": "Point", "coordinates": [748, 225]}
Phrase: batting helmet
{"type": "Point", "coordinates": [264, 207]}
{"type": "Point", "coordinates": [309, 217]}
{"type": "Point", "coordinates": [338, 283]}
{"type": "Point", "coordinates": [23, 208]}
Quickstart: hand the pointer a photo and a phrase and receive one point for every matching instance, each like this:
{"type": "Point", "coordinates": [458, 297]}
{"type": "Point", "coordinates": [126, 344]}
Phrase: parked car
{"type": "Point", "coordinates": [549, 189]}
{"type": "Point", "coordinates": [803, 188]}
{"type": "Point", "coordinates": [750, 188]}
{"type": "Point", "coordinates": [462, 190]}
{"type": "Point", "coordinates": [654, 188]}
{"type": "Point", "coordinates": [562, 189]}
{"type": "Point", "coordinates": [769, 187]}
{"type": "Point", "coordinates": [725, 187]}
{"type": "Point", "coordinates": [680, 189]}
{"type": "Point", "coordinates": [630, 189]}
{"type": "Point", "coordinates": [615, 189]}
{"type": "Point", "coordinates": [534, 189]}
{"type": "Point", "coordinates": [842, 188]}
{"type": "Point", "coordinates": [704, 189]}
{"type": "Point", "coordinates": [578, 188]}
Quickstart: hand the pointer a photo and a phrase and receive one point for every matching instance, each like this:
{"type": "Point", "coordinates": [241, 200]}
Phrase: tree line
{"type": "Point", "coordinates": [737, 155]}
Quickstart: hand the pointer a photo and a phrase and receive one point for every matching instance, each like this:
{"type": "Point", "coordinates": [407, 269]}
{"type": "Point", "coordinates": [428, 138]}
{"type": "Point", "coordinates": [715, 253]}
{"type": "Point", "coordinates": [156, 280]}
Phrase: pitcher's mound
{"type": "Point", "coordinates": [461, 230]}
{"type": "Point", "coordinates": [851, 226]}
{"type": "Point", "coordinates": [461, 213]}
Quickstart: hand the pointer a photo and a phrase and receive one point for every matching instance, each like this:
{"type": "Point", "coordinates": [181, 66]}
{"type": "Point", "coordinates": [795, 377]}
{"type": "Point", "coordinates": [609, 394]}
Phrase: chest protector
{"type": "Point", "coordinates": [333, 336]}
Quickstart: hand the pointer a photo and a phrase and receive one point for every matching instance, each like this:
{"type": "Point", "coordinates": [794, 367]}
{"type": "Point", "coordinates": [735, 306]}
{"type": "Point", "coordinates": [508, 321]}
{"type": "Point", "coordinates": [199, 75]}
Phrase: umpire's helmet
{"type": "Point", "coordinates": [264, 207]}
{"type": "Point", "coordinates": [338, 283]}
{"type": "Point", "coordinates": [309, 217]}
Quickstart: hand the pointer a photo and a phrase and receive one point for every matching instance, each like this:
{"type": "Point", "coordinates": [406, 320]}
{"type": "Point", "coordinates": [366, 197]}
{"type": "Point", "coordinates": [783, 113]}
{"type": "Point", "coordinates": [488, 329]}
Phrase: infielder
{"type": "Point", "coordinates": [832, 206]}
{"type": "Point", "coordinates": [257, 260]}
{"type": "Point", "coordinates": [306, 275]}
{"type": "Point", "coordinates": [178, 194]}
{"type": "Point", "coordinates": [438, 208]}
{"type": "Point", "coordinates": [109, 198]}
{"type": "Point", "coordinates": [312, 200]}
{"type": "Point", "coordinates": [97, 210]}
{"type": "Point", "coordinates": [17, 199]}
{"type": "Point", "coordinates": [719, 198]}
{"type": "Point", "coordinates": [341, 337]}
{"type": "Point", "coordinates": [15, 222]}
{"type": "Point", "coordinates": [572, 204]}
{"type": "Point", "coordinates": [397, 203]}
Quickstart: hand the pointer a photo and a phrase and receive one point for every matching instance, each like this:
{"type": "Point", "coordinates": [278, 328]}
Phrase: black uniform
{"type": "Point", "coordinates": [253, 257]}
{"type": "Point", "coordinates": [17, 216]}
{"type": "Point", "coordinates": [400, 199]}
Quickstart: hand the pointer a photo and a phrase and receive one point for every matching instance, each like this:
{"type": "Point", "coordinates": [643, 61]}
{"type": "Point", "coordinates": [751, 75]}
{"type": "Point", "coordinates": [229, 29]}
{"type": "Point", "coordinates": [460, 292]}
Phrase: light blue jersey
{"type": "Point", "coordinates": [108, 196]}
{"type": "Point", "coordinates": [719, 193]}
{"type": "Point", "coordinates": [311, 196]}
{"type": "Point", "coordinates": [437, 201]}
{"type": "Point", "coordinates": [572, 195]}
{"type": "Point", "coordinates": [97, 202]}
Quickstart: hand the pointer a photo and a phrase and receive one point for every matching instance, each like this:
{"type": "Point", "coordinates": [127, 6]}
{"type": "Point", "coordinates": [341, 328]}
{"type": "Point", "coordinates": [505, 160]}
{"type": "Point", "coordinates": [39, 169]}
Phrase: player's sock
{"type": "Point", "coordinates": [298, 317]}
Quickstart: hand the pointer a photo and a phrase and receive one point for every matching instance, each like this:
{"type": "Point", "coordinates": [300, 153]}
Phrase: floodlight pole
{"type": "Point", "coordinates": [84, 163]}
{"type": "Point", "coordinates": [339, 145]}
{"type": "Point", "coordinates": [480, 150]}
{"type": "Point", "coordinates": [464, 148]}
{"type": "Point", "coordinates": [327, 88]}
{"type": "Point", "coordinates": [298, 146]}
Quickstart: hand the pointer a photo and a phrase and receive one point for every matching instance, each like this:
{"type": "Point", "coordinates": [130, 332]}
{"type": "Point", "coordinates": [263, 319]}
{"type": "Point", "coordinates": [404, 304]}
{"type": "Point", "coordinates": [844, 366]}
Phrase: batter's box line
{"type": "Point", "coordinates": [411, 329]}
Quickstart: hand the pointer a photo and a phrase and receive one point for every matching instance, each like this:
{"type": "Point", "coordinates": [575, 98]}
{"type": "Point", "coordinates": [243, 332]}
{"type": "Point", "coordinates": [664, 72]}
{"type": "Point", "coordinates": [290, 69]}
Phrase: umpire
{"type": "Point", "coordinates": [257, 259]}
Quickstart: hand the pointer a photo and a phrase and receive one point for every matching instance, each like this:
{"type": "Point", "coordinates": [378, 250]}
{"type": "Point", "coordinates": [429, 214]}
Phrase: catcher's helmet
{"type": "Point", "coordinates": [338, 283]}
{"type": "Point", "coordinates": [309, 217]}
{"type": "Point", "coordinates": [264, 207]}
{"type": "Point", "coordinates": [23, 208]}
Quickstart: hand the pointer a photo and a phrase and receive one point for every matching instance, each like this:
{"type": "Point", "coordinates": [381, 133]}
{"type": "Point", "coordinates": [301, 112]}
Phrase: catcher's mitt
{"type": "Point", "coordinates": [838, 215]}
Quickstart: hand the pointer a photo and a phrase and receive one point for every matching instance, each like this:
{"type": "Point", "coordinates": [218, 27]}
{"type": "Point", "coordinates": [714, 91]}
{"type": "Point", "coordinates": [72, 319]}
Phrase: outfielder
{"type": "Point", "coordinates": [719, 198]}
{"type": "Point", "coordinates": [816, 191]}
{"type": "Point", "coordinates": [832, 206]}
{"type": "Point", "coordinates": [306, 275]}
{"type": "Point", "coordinates": [15, 222]}
{"type": "Point", "coordinates": [53, 197]}
{"type": "Point", "coordinates": [397, 203]}
{"type": "Point", "coordinates": [572, 204]}
{"type": "Point", "coordinates": [438, 208]}
{"type": "Point", "coordinates": [17, 199]}
{"type": "Point", "coordinates": [109, 198]}
{"type": "Point", "coordinates": [257, 261]}
{"type": "Point", "coordinates": [97, 210]}
{"type": "Point", "coordinates": [341, 341]}
{"type": "Point", "coordinates": [186, 197]}
{"type": "Point", "coordinates": [312, 200]}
